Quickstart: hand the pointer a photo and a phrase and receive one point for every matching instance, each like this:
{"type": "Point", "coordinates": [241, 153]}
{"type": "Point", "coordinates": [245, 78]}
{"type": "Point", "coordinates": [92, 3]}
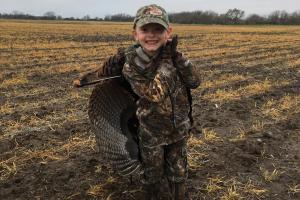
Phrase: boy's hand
{"type": "Point", "coordinates": [174, 44]}
{"type": "Point", "coordinates": [77, 83]}
{"type": "Point", "coordinates": [171, 46]}
{"type": "Point", "coordinates": [185, 68]}
{"type": "Point", "coordinates": [85, 78]}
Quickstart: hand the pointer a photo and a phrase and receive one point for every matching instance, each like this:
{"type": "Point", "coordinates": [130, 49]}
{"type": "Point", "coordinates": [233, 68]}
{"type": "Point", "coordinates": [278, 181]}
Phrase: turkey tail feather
{"type": "Point", "coordinates": [112, 116]}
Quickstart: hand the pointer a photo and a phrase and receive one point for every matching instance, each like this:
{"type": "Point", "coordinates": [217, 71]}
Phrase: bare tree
{"type": "Point", "coordinates": [235, 15]}
{"type": "Point", "coordinates": [284, 17]}
{"type": "Point", "coordinates": [16, 12]}
{"type": "Point", "coordinates": [294, 18]}
{"type": "Point", "coordinates": [274, 17]}
{"type": "Point", "coordinates": [50, 15]}
{"type": "Point", "coordinates": [86, 17]}
{"type": "Point", "coordinates": [255, 19]}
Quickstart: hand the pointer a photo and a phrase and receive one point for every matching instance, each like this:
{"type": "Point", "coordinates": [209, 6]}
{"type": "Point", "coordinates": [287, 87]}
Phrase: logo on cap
{"type": "Point", "coordinates": [154, 11]}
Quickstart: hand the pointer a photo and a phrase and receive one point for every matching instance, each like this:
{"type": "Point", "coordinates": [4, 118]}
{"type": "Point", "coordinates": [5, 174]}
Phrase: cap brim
{"type": "Point", "coordinates": [150, 20]}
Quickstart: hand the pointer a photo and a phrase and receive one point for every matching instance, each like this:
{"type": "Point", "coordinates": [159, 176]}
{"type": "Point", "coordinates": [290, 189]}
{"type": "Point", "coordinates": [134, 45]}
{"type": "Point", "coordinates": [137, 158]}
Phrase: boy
{"type": "Point", "coordinates": [162, 79]}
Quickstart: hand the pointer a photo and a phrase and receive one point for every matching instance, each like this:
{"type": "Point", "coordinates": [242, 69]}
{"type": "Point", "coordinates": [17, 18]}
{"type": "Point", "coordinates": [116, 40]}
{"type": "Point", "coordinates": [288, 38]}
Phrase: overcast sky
{"type": "Point", "coordinates": [100, 8]}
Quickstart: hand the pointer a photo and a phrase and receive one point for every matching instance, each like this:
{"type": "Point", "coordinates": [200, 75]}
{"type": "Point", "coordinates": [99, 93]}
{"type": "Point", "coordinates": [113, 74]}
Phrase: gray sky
{"type": "Point", "coordinates": [100, 8]}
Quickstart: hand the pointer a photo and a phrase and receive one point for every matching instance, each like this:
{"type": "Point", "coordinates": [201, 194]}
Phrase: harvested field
{"type": "Point", "coordinates": [246, 139]}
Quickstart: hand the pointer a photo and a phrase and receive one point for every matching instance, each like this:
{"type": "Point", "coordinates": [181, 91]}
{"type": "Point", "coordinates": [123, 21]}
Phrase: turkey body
{"type": "Point", "coordinates": [112, 117]}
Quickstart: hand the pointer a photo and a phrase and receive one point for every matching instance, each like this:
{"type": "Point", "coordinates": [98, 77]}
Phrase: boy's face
{"type": "Point", "coordinates": [151, 37]}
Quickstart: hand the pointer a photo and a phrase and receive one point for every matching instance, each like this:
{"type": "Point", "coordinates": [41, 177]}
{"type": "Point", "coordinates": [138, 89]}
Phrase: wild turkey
{"type": "Point", "coordinates": [112, 116]}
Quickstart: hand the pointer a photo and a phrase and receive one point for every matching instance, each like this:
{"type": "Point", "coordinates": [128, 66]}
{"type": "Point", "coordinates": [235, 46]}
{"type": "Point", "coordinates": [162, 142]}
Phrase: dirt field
{"type": "Point", "coordinates": [246, 139]}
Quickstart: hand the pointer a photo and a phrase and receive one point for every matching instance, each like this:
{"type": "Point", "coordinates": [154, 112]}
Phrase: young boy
{"type": "Point", "coordinates": [162, 79]}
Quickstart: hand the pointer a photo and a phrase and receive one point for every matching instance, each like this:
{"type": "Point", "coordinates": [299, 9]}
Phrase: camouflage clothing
{"type": "Point", "coordinates": [151, 14]}
{"type": "Point", "coordinates": [169, 160]}
{"type": "Point", "coordinates": [162, 84]}
{"type": "Point", "coordinates": [111, 67]}
{"type": "Point", "coordinates": [162, 110]}
{"type": "Point", "coordinates": [163, 107]}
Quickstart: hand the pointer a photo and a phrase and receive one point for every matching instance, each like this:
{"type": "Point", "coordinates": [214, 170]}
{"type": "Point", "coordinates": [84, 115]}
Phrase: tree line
{"type": "Point", "coordinates": [232, 16]}
{"type": "Point", "coordinates": [235, 16]}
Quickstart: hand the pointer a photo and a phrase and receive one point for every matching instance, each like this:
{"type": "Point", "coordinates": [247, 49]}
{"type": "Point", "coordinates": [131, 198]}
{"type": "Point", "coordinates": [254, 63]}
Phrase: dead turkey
{"type": "Point", "coordinates": [112, 116]}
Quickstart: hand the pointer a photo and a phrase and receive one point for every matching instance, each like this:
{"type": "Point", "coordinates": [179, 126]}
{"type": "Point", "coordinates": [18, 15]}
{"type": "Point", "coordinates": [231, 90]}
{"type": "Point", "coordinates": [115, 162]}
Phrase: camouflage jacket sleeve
{"type": "Point", "coordinates": [186, 71]}
{"type": "Point", "coordinates": [155, 89]}
{"type": "Point", "coordinates": [111, 67]}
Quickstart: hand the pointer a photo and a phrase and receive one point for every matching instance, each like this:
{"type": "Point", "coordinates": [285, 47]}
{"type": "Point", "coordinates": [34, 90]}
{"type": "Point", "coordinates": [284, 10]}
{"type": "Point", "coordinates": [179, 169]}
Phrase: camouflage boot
{"type": "Point", "coordinates": [178, 191]}
{"type": "Point", "coordinates": [151, 191]}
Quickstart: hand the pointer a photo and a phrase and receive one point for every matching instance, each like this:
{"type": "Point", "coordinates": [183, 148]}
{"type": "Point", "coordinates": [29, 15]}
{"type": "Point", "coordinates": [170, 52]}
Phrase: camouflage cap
{"type": "Point", "coordinates": [151, 14]}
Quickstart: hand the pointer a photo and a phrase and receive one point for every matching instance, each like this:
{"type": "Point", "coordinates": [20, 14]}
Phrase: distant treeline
{"type": "Point", "coordinates": [232, 16]}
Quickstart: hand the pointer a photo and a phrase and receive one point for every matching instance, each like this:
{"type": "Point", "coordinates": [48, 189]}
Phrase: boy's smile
{"type": "Point", "coordinates": [151, 37]}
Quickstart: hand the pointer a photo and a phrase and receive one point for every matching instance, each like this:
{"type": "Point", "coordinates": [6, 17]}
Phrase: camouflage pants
{"type": "Point", "coordinates": [164, 160]}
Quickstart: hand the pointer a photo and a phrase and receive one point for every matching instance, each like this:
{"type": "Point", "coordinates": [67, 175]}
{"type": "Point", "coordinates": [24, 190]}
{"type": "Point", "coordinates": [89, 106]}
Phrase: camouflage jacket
{"type": "Point", "coordinates": [162, 83]}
